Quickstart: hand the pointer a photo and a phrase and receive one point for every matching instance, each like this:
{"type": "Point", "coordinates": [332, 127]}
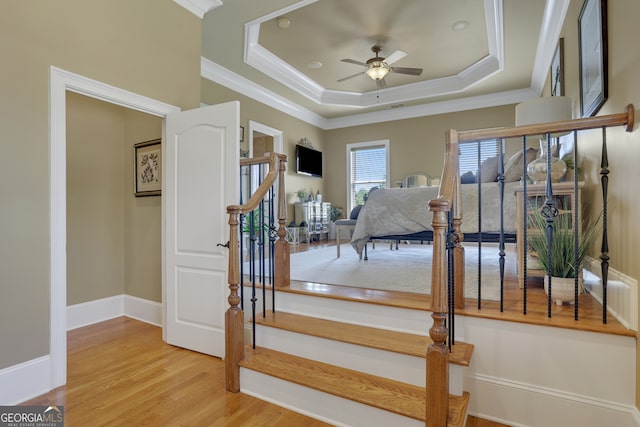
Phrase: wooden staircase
{"type": "Point", "coordinates": [346, 373]}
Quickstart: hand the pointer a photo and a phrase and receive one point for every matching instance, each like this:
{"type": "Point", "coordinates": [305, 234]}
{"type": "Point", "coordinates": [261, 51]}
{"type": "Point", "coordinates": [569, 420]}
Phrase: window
{"type": "Point", "coordinates": [469, 154]}
{"type": "Point", "coordinates": [367, 167]}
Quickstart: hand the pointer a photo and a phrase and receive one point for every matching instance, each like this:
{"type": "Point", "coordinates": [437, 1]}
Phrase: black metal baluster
{"type": "Point", "coordinates": [450, 244]}
{"type": "Point", "coordinates": [525, 242]}
{"type": "Point", "coordinates": [576, 226]}
{"type": "Point", "coordinates": [549, 212]}
{"type": "Point", "coordinates": [501, 240]}
{"type": "Point", "coordinates": [604, 256]}
{"type": "Point", "coordinates": [479, 239]}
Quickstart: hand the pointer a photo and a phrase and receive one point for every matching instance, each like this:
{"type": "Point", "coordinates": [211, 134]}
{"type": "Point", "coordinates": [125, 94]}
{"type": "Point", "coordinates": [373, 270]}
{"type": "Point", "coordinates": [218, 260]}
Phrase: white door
{"type": "Point", "coordinates": [200, 178]}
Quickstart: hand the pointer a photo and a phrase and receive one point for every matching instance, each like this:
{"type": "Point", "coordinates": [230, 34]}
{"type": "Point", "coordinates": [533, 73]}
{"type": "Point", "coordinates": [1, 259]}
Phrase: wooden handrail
{"type": "Point", "coordinates": [274, 161]}
{"type": "Point", "coordinates": [620, 119]}
{"type": "Point", "coordinates": [234, 317]}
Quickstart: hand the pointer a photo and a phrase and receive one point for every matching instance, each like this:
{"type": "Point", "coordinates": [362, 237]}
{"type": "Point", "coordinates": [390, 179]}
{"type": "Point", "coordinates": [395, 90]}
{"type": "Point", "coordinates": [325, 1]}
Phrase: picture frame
{"type": "Point", "coordinates": [241, 133]}
{"type": "Point", "coordinates": [147, 168]}
{"type": "Point", "coordinates": [557, 70]}
{"type": "Point", "coordinates": [593, 50]}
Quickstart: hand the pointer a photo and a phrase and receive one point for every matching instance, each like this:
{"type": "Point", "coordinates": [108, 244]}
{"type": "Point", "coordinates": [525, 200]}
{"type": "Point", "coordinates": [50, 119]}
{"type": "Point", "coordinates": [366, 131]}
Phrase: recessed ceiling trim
{"type": "Point", "coordinates": [199, 7]}
{"type": "Point", "coordinates": [443, 107]}
{"type": "Point", "coordinates": [266, 62]}
{"type": "Point", "coordinates": [223, 76]}
{"type": "Point", "coordinates": [220, 75]}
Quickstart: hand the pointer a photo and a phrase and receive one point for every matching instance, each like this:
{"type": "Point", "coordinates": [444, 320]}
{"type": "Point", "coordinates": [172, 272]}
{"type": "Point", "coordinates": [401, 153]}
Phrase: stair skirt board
{"type": "Point", "coordinates": [382, 363]}
{"type": "Point", "coordinates": [319, 405]}
{"type": "Point", "coordinates": [356, 312]}
{"type": "Point", "coordinates": [516, 404]}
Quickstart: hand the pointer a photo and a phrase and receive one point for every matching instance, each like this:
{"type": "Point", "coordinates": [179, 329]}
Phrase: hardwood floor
{"type": "Point", "coordinates": [590, 310]}
{"type": "Point", "coordinates": [120, 372]}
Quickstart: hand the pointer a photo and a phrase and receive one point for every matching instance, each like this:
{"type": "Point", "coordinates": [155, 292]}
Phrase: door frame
{"type": "Point", "coordinates": [61, 81]}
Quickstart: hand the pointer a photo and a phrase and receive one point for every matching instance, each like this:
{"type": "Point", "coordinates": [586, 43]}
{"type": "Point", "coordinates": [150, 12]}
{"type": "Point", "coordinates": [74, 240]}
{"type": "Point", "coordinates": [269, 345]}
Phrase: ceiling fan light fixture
{"type": "Point", "coordinates": [377, 70]}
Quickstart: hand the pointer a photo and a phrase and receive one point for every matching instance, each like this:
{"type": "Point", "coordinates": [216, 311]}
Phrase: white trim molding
{"type": "Point", "coordinates": [61, 81]}
{"type": "Point", "coordinates": [88, 313]}
{"type": "Point", "coordinates": [199, 7]}
{"type": "Point", "coordinates": [266, 62]}
{"type": "Point", "coordinates": [24, 381]}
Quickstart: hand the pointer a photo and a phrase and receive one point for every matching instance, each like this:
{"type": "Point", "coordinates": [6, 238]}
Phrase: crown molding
{"type": "Point", "coordinates": [225, 77]}
{"type": "Point", "coordinates": [555, 12]}
{"type": "Point", "coordinates": [199, 7]}
{"type": "Point", "coordinates": [266, 62]}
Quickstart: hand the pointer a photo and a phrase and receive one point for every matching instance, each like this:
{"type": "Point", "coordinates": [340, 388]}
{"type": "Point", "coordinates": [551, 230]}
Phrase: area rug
{"type": "Point", "coordinates": [407, 269]}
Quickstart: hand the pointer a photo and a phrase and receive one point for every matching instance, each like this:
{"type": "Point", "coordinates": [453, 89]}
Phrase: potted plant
{"type": "Point", "coordinates": [563, 258]}
{"type": "Point", "coordinates": [302, 195]}
{"type": "Point", "coordinates": [335, 213]}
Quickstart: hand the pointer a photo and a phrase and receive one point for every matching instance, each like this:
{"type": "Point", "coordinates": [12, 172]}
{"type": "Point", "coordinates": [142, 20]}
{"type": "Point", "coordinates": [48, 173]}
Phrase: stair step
{"type": "Point", "coordinates": [381, 339]}
{"type": "Point", "coordinates": [389, 395]}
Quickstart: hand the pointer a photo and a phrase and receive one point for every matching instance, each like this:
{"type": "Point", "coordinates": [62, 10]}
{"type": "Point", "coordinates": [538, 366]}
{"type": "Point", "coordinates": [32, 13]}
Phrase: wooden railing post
{"type": "Point", "coordinates": [282, 248]}
{"type": "Point", "coordinates": [234, 317]}
{"type": "Point", "coordinates": [437, 404]}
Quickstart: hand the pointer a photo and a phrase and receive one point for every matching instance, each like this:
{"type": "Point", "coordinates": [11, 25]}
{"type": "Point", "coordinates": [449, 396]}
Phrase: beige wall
{"type": "Point", "coordinates": [95, 202]}
{"type": "Point", "coordinates": [113, 237]}
{"type": "Point", "coordinates": [142, 217]}
{"type": "Point", "coordinates": [151, 47]}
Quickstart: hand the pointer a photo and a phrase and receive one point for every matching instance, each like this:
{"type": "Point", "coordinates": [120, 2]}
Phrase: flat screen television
{"type": "Point", "coordinates": [308, 161]}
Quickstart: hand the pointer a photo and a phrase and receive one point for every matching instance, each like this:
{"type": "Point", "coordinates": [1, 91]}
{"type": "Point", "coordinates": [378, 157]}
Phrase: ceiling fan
{"type": "Point", "coordinates": [378, 67]}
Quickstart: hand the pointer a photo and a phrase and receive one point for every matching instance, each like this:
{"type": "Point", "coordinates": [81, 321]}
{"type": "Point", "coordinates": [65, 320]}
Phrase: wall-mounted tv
{"type": "Point", "coordinates": [308, 161]}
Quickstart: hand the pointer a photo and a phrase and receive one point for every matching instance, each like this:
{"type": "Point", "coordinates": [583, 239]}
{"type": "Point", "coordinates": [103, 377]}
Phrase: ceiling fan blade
{"type": "Point", "coordinates": [353, 61]}
{"type": "Point", "coordinates": [351, 76]}
{"type": "Point", "coordinates": [395, 56]}
{"type": "Point", "coordinates": [381, 84]}
{"type": "Point", "coordinates": [405, 70]}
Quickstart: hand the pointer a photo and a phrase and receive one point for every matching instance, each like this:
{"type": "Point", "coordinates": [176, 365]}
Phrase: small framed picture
{"type": "Point", "coordinates": [148, 168]}
{"type": "Point", "coordinates": [557, 70]}
{"type": "Point", "coordinates": [592, 40]}
{"type": "Point", "coordinates": [241, 133]}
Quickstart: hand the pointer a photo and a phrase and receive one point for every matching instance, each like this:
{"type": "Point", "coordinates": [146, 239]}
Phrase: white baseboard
{"type": "Point", "coordinates": [622, 292]}
{"type": "Point", "coordinates": [25, 381]}
{"type": "Point", "coordinates": [88, 313]}
{"type": "Point", "coordinates": [32, 378]}
{"type": "Point", "coordinates": [143, 310]}
{"type": "Point", "coordinates": [519, 404]}
{"type": "Point", "coordinates": [91, 312]}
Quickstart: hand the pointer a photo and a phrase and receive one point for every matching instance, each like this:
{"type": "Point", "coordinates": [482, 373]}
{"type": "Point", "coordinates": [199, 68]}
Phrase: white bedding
{"type": "Point", "coordinates": [402, 211]}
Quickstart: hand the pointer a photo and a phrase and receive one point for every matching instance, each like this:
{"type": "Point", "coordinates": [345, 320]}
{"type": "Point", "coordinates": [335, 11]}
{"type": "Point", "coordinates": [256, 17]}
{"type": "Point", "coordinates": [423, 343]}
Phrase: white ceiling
{"type": "Point", "coordinates": [501, 57]}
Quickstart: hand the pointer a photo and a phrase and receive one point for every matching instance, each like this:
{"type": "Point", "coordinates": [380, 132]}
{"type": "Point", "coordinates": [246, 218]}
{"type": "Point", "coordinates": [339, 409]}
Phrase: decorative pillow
{"type": "Point", "coordinates": [489, 170]}
{"type": "Point", "coordinates": [513, 167]}
{"type": "Point", "coordinates": [355, 212]}
{"type": "Point", "coordinates": [467, 178]}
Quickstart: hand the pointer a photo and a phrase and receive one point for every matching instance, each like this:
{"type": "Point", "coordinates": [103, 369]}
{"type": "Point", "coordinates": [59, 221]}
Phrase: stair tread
{"type": "Point", "coordinates": [383, 393]}
{"type": "Point", "coordinates": [382, 339]}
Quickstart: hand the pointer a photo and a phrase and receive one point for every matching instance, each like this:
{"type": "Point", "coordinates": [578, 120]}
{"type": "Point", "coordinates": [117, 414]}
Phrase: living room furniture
{"type": "Point", "coordinates": [316, 217]}
{"type": "Point", "coordinates": [403, 214]}
{"type": "Point", "coordinates": [564, 200]}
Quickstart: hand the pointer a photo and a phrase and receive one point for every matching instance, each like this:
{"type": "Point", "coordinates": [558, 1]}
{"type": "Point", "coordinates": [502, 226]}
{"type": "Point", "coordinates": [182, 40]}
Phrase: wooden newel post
{"type": "Point", "coordinates": [437, 405]}
{"type": "Point", "coordinates": [282, 249]}
{"type": "Point", "coordinates": [234, 317]}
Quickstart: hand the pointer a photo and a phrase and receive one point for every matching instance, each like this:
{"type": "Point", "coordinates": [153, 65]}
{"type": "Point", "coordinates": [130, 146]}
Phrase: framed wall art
{"type": "Point", "coordinates": [148, 168]}
{"type": "Point", "coordinates": [557, 70]}
{"type": "Point", "coordinates": [592, 40]}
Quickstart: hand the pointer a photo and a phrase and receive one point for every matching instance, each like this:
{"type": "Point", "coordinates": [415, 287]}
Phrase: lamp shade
{"type": "Point", "coordinates": [543, 110]}
{"type": "Point", "coordinates": [377, 71]}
